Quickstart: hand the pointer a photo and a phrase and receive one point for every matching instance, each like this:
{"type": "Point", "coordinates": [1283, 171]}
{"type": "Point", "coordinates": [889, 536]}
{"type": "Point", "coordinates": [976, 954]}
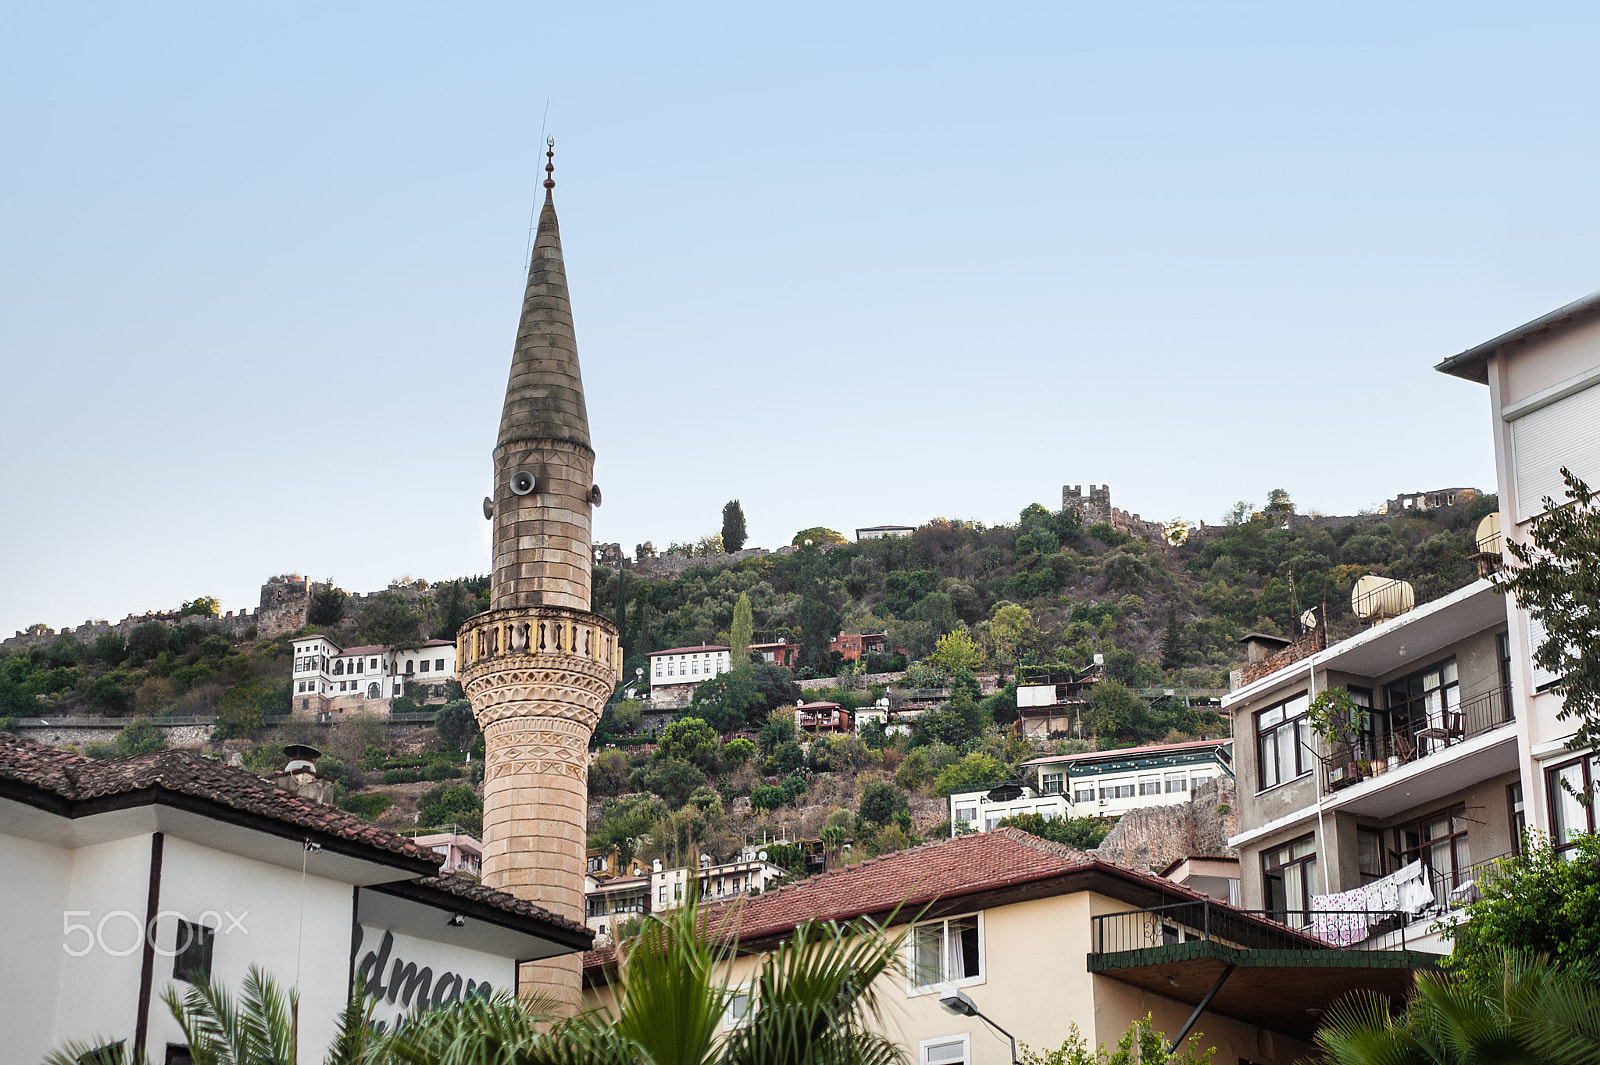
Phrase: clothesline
{"type": "Point", "coordinates": [1341, 919]}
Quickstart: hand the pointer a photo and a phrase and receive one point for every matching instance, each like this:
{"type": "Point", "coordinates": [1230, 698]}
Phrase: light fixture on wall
{"type": "Point", "coordinates": [457, 920]}
{"type": "Point", "coordinates": [957, 1002]}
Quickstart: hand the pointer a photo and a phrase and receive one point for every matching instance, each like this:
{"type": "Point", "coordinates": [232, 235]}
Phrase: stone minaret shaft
{"type": "Point", "coordinates": [538, 666]}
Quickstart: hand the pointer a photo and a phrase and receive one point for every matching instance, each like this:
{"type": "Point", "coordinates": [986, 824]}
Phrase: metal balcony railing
{"type": "Point", "coordinates": [1214, 922]}
{"type": "Point", "coordinates": [1408, 740]}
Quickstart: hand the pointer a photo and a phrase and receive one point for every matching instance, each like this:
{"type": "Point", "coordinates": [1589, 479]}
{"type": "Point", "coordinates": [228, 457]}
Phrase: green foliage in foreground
{"type": "Point", "coordinates": [1141, 1044]}
{"type": "Point", "coordinates": [1525, 1010]}
{"type": "Point", "coordinates": [1084, 833]}
{"type": "Point", "coordinates": [1539, 902]}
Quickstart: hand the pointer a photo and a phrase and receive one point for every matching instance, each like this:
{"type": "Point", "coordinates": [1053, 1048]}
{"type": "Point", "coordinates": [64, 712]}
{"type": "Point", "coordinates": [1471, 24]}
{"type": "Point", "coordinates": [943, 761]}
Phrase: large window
{"type": "Point", "coordinates": [949, 1050]}
{"type": "Point", "coordinates": [1083, 793]}
{"type": "Point", "coordinates": [1283, 742]}
{"type": "Point", "coordinates": [1290, 877]}
{"type": "Point", "coordinates": [1424, 710]}
{"type": "Point", "coordinates": [1439, 842]}
{"type": "Point", "coordinates": [1572, 789]}
{"type": "Point", "coordinates": [1050, 783]}
{"type": "Point", "coordinates": [1116, 791]}
{"type": "Point", "coordinates": [946, 953]}
{"type": "Point", "coordinates": [1150, 784]}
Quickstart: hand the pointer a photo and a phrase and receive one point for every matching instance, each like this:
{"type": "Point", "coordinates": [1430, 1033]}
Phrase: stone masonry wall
{"type": "Point", "coordinates": [1154, 837]}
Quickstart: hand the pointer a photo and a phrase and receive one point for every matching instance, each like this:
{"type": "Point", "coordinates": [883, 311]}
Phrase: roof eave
{"type": "Point", "coordinates": [1472, 364]}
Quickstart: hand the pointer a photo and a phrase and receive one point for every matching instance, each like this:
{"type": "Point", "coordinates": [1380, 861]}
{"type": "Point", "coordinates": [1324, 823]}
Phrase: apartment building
{"type": "Point", "coordinates": [1543, 379]}
{"type": "Point", "coordinates": [327, 678]}
{"type": "Point", "coordinates": [1110, 783]}
{"type": "Point", "coordinates": [982, 811]}
{"type": "Point", "coordinates": [1406, 802]}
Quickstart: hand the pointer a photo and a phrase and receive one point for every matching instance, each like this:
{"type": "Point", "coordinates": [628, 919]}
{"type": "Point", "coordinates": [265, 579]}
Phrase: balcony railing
{"type": "Point", "coordinates": [1211, 922]}
{"type": "Point", "coordinates": [1407, 740]}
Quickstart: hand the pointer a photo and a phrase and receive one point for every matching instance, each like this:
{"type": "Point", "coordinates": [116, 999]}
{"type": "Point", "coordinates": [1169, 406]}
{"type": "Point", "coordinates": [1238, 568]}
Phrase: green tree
{"type": "Point", "coordinates": [327, 605]}
{"type": "Point", "coordinates": [733, 530]}
{"type": "Point", "coordinates": [1084, 833]}
{"type": "Point", "coordinates": [778, 729]}
{"type": "Point", "coordinates": [1525, 1009]}
{"type": "Point", "coordinates": [390, 618]}
{"type": "Point", "coordinates": [1012, 630]}
{"type": "Point", "coordinates": [1172, 652]}
{"type": "Point", "coordinates": [689, 739]}
{"type": "Point", "coordinates": [1556, 578]}
{"type": "Point", "coordinates": [736, 752]}
{"type": "Point", "coordinates": [141, 736]}
{"type": "Point", "coordinates": [456, 724]}
{"type": "Point", "coordinates": [627, 714]}
{"type": "Point", "coordinates": [206, 606]}
{"type": "Point", "coordinates": [671, 778]}
{"type": "Point", "coordinates": [818, 535]}
{"type": "Point", "coordinates": [244, 710]}
{"type": "Point", "coordinates": [739, 635]}
{"type": "Point", "coordinates": [727, 701]}
{"type": "Point", "coordinates": [1278, 502]}
{"type": "Point", "coordinates": [956, 650]}
{"type": "Point", "coordinates": [977, 770]}
{"type": "Point", "coordinates": [1111, 709]}
{"type": "Point", "coordinates": [451, 804]}
{"type": "Point", "coordinates": [880, 801]}
{"type": "Point", "coordinates": [1538, 901]}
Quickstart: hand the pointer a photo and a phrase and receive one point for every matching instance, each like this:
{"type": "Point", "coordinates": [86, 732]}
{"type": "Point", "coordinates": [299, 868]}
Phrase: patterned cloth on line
{"type": "Point", "coordinates": [1340, 919]}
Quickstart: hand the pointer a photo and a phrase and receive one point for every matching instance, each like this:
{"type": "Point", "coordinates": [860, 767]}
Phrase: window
{"type": "Point", "coordinates": [694, 667]}
{"type": "Point", "coordinates": [424, 667]}
{"type": "Point", "coordinates": [1290, 878]}
{"type": "Point", "coordinates": [1198, 776]}
{"type": "Point", "coordinates": [178, 1055]}
{"type": "Point", "coordinates": [945, 953]}
{"type": "Point", "coordinates": [1439, 842]}
{"type": "Point", "coordinates": [1425, 705]}
{"type": "Point", "coordinates": [1519, 816]}
{"type": "Point", "coordinates": [1116, 791]}
{"type": "Point", "coordinates": [1177, 782]}
{"type": "Point", "coordinates": [948, 1050]}
{"type": "Point", "coordinates": [1369, 854]}
{"type": "Point", "coordinates": [409, 663]}
{"type": "Point", "coordinates": [661, 894]}
{"type": "Point", "coordinates": [1572, 787]}
{"type": "Point", "coordinates": [1283, 742]}
{"type": "Point", "coordinates": [372, 690]}
{"type": "Point", "coordinates": [374, 663]}
{"type": "Point", "coordinates": [438, 665]}
{"type": "Point", "coordinates": [361, 665]}
{"type": "Point", "coordinates": [1050, 783]}
{"type": "Point", "coordinates": [194, 952]}
{"type": "Point", "coordinates": [737, 1015]}
{"type": "Point", "coordinates": [1083, 793]}
{"type": "Point", "coordinates": [968, 814]}
{"type": "Point", "coordinates": [1150, 785]}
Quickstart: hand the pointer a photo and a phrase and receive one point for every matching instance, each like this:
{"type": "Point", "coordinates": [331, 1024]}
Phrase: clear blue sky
{"type": "Point", "coordinates": [851, 263]}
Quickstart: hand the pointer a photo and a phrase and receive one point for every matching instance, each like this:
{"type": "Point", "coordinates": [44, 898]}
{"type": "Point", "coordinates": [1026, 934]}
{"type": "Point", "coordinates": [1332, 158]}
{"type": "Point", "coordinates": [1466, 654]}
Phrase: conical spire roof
{"type": "Point", "coordinates": [544, 398]}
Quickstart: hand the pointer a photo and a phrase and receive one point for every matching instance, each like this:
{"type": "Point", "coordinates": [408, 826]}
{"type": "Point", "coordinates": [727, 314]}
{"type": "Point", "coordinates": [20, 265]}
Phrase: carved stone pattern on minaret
{"type": "Point", "coordinates": [538, 745]}
{"type": "Point", "coordinates": [539, 686]}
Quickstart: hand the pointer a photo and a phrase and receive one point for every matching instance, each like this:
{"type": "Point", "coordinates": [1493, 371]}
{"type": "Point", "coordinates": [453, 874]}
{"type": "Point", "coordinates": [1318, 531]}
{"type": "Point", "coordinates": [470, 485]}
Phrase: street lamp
{"type": "Point", "coordinates": [958, 1003]}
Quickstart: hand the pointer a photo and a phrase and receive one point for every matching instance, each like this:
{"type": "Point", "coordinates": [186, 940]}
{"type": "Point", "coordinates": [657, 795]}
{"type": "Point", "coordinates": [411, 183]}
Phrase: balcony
{"type": "Point", "coordinates": [1249, 965]}
{"type": "Point", "coordinates": [1394, 742]}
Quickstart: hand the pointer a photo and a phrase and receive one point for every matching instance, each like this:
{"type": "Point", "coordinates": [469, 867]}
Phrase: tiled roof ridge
{"type": "Point", "coordinates": [1038, 843]}
{"type": "Point", "coordinates": [77, 779]}
{"type": "Point", "coordinates": [468, 888]}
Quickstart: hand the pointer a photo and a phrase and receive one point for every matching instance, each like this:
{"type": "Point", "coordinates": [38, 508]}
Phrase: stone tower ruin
{"type": "Point", "coordinates": [538, 665]}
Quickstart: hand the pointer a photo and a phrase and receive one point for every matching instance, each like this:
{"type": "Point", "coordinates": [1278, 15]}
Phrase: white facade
{"type": "Point", "coordinates": [669, 888]}
{"type": "Point", "coordinates": [231, 884]}
{"type": "Point", "coordinates": [1110, 783]}
{"type": "Point", "coordinates": [975, 811]}
{"type": "Point", "coordinates": [1544, 404]}
{"type": "Point", "coordinates": [681, 666]}
{"type": "Point", "coordinates": [324, 672]}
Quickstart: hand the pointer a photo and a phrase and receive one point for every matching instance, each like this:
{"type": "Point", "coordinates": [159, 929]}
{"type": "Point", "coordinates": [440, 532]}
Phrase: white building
{"type": "Point", "coordinates": [878, 532]}
{"type": "Point", "coordinates": [982, 811]}
{"type": "Point", "coordinates": [1544, 410]}
{"type": "Point", "coordinates": [330, 678]}
{"type": "Point", "coordinates": [1110, 783]}
{"type": "Point", "coordinates": [124, 876]}
{"type": "Point", "coordinates": [669, 888]}
{"type": "Point", "coordinates": [686, 667]}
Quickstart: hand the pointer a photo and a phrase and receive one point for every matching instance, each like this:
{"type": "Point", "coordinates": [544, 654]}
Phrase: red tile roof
{"type": "Point", "coordinates": [74, 781]}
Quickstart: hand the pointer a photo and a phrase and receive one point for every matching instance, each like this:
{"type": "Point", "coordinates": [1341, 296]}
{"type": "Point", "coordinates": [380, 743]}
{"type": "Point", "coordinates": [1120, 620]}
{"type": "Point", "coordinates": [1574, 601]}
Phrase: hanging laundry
{"type": "Point", "coordinates": [1340, 919]}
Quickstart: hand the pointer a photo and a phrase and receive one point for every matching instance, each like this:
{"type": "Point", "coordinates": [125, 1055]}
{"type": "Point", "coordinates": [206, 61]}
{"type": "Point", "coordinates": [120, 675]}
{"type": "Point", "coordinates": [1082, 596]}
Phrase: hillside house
{"type": "Point", "coordinates": [878, 532]}
{"type": "Point", "coordinates": [823, 717]}
{"type": "Point", "coordinates": [982, 811]}
{"type": "Point", "coordinates": [1110, 783]}
{"type": "Point", "coordinates": [1050, 702]}
{"type": "Point", "coordinates": [1043, 937]}
{"type": "Point", "coordinates": [854, 646]}
{"type": "Point", "coordinates": [327, 678]}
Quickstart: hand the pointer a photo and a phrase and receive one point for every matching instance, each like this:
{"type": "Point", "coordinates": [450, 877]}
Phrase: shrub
{"type": "Point", "coordinates": [401, 776]}
{"type": "Point", "coordinates": [880, 801]}
{"type": "Point", "coordinates": [456, 724]}
{"type": "Point", "coordinates": [447, 804]}
{"type": "Point", "coordinates": [368, 804]}
{"type": "Point", "coordinates": [768, 797]}
{"type": "Point", "coordinates": [736, 752]}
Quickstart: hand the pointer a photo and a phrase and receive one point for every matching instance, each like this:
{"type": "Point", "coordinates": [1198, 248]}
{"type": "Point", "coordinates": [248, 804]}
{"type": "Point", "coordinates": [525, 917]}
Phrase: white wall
{"type": "Point", "coordinates": [206, 885]}
{"type": "Point", "coordinates": [35, 881]}
{"type": "Point", "coordinates": [98, 993]}
{"type": "Point", "coordinates": [446, 971]}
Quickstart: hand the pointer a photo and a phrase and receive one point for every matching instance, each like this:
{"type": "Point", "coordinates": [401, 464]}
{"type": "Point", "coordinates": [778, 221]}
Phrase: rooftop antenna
{"type": "Point", "coordinates": [533, 211]}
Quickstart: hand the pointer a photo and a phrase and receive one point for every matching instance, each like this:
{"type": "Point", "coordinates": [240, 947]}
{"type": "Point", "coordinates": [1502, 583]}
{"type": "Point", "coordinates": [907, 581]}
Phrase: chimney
{"type": "Point", "coordinates": [300, 776]}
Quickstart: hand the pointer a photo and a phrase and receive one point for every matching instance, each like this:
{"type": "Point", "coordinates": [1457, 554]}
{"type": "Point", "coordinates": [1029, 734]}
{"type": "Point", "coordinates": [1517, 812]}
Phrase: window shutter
{"type": "Point", "coordinates": [1566, 433]}
{"type": "Point", "coordinates": [1537, 634]}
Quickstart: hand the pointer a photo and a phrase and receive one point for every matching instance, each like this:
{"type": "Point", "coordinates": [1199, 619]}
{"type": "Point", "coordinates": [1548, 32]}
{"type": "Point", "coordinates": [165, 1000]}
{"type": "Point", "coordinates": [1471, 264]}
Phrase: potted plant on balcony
{"type": "Point", "coordinates": [1341, 723]}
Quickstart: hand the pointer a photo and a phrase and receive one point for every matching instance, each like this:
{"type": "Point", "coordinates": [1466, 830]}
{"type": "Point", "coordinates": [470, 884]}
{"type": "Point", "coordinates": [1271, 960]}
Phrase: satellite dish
{"type": "Point", "coordinates": [1489, 539]}
{"type": "Point", "coordinates": [522, 482]}
{"type": "Point", "coordinates": [761, 855]}
{"type": "Point", "coordinates": [1309, 619]}
{"type": "Point", "coordinates": [1375, 598]}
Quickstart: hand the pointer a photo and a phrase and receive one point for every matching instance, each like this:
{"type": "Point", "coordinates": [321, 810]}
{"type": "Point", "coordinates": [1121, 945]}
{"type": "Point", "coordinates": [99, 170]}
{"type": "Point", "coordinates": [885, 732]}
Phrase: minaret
{"type": "Point", "coordinates": [538, 666]}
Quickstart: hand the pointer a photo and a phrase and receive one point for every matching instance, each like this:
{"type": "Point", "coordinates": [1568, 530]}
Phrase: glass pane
{"type": "Point", "coordinates": [953, 1053]}
{"type": "Point", "coordinates": [927, 942]}
{"type": "Point", "coordinates": [965, 931]}
{"type": "Point", "coordinates": [1450, 672]}
{"type": "Point", "coordinates": [1569, 816]}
